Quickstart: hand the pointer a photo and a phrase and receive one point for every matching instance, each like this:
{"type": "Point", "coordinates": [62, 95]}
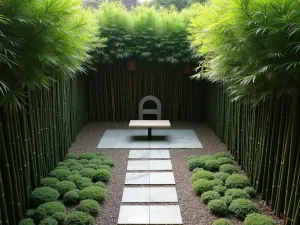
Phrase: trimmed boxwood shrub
{"type": "Point", "coordinates": [228, 168]}
{"type": "Point", "coordinates": [83, 161]}
{"type": "Point", "coordinates": [108, 162]}
{"type": "Point", "coordinates": [93, 192]}
{"type": "Point", "coordinates": [242, 207]}
{"type": "Point", "coordinates": [26, 222]}
{"type": "Point", "coordinates": [49, 221]}
{"type": "Point", "coordinates": [216, 182]}
{"type": "Point", "coordinates": [237, 181]}
{"type": "Point", "coordinates": [99, 183]}
{"type": "Point", "coordinates": [105, 167]}
{"type": "Point", "coordinates": [83, 184]}
{"type": "Point", "coordinates": [202, 185]}
{"type": "Point", "coordinates": [42, 195]}
{"type": "Point", "coordinates": [222, 221]}
{"type": "Point", "coordinates": [65, 186]}
{"type": "Point", "coordinates": [236, 193]}
{"type": "Point", "coordinates": [48, 209]}
{"type": "Point", "coordinates": [224, 160]}
{"type": "Point", "coordinates": [220, 189]}
{"type": "Point", "coordinates": [87, 172]}
{"type": "Point", "coordinates": [80, 181]}
{"type": "Point", "coordinates": [49, 182]}
{"type": "Point", "coordinates": [71, 156]}
{"type": "Point", "coordinates": [76, 167]}
{"type": "Point", "coordinates": [221, 154]}
{"type": "Point", "coordinates": [60, 217]}
{"type": "Point", "coordinates": [60, 174]}
{"type": "Point", "coordinates": [218, 206]}
{"type": "Point", "coordinates": [79, 218]}
{"type": "Point", "coordinates": [30, 213]}
{"type": "Point", "coordinates": [87, 156]}
{"type": "Point", "coordinates": [251, 191]}
{"type": "Point", "coordinates": [96, 161]}
{"type": "Point", "coordinates": [212, 165]}
{"type": "Point", "coordinates": [226, 199]}
{"type": "Point", "coordinates": [89, 206]}
{"type": "Point", "coordinates": [222, 176]}
{"type": "Point", "coordinates": [91, 166]}
{"type": "Point", "coordinates": [197, 170]}
{"type": "Point", "coordinates": [207, 157]}
{"type": "Point", "coordinates": [207, 196]}
{"type": "Point", "coordinates": [196, 163]}
{"type": "Point", "coordinates": [71, 197]}
{"type": "Point", "coordinates": [101, 175]}
{"type": "Point", "coordinates": [258, 219]}
{"type": "Point", "coordinates": [203, 174]}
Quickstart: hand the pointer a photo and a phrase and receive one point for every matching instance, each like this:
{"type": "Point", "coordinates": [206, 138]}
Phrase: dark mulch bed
{"type": "Point", "coordinates": [193, 211]}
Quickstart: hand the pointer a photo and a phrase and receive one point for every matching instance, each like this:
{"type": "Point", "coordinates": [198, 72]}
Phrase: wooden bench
{"type": "Point", "coordinates": [149, 124]}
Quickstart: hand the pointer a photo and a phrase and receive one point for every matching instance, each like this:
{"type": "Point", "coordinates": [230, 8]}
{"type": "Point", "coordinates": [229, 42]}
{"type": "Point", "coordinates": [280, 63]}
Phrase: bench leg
{"type": "Point", "coordinates": [149, 133]}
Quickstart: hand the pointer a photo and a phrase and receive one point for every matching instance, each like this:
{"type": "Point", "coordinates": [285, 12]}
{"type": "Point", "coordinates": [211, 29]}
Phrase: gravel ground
{"type": "Point", "coordinates": [193, 211]}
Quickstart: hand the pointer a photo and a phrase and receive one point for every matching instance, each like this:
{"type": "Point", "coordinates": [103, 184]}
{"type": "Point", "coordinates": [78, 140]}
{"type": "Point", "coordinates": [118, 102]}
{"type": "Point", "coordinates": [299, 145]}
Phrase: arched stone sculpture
{"type": "Point", "coordinates": [156, 111]}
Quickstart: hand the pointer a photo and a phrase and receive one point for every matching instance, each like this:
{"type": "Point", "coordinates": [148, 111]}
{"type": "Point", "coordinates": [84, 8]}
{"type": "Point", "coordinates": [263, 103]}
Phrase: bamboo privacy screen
{"type": "Point", "coordinates": [114, 92]}
{"type": "Point", "coordinates": [33, 141]}
{"type": "Point", "coordinates": [265, 141]}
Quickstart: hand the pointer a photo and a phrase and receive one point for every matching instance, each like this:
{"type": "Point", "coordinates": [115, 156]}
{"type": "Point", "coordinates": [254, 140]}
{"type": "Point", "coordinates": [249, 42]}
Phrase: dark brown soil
{"type": "Point", "coordinates": [193, 211]}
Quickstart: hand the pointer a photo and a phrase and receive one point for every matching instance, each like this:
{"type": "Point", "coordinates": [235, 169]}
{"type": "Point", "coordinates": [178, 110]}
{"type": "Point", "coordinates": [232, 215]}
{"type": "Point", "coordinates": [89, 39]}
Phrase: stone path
{"type": "Point", "coordinates": [143, 203]}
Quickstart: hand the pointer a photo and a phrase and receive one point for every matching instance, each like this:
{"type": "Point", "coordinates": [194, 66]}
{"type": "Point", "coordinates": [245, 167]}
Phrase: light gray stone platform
{"type": "Point", "coordinates": [149, 165]}
{"type": "Point", "coordinates": [150, 178]}
{"type": "Point", "coordinates": [138, 139]}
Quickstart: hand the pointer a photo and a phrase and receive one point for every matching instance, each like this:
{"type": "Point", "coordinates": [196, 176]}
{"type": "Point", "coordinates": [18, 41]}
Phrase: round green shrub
{"type": "Point", "coordinates": [93, 192]}
{"type": "Point", "coordinates": [224, 160]}
{"type": "Point", "coordinates": [202, 185]}
{"type": "Point", "coordinates": [212, 165]}
{"type": "Point", "coordinates": [83, 184]}
{"type": "Point", "coordinates": [73, 172]}
{"type": "Point", "coordinates": [251, 191]}
{"type": "Point", "coordinates": [242, 207]}
{"type": "Point", "coordinates": [48, 209]}
{"type": "Point", "coordinates": [91, 166]}
{"type": "Point", "coordinates": [236, 193]}
{"type": "Point", "coordinates": [99, 183]}
{"type": "Point", "coordinates": [71, 197]}
{"type": "Point", "coordinates": [222, 221]}
{"type": "Point", "coordinates": [226, 199]}
{"type": "Point", "coordinates": [30, 213]}
{"type": "Point", "coordinates": [196, 163]}
{"type": "Point", "coordinates": [207, 157]}
{"type": "Point", "coordinates": [76, 167]}
{"type": "Point", "coordinates": [96, 161]}
{"type": "Point", "coordinates": [49, 182]}
{"type": "Point", "coordinates": [79, 218]}
{"type": "Point", "coordinates": [218, 206]}
{"type": "Point", "coordinates": [221, 154]}
{"type": "Point", "coordinates": [71, 156]}
{"type": "Point", "coordinates": [101, 175]}
{"type": "Point", "coordinates": [75, 177]}
{"type": "Point", "coordinates": [258, 219]}
{"type": "Point", "coordinates": [87, 156]}
{"type": "Point", "coordinates": [222, 176]}
{"type": "Point", "coordinates": [49, 221]}
{"type": "Point", "coordinates": [108, 162]}
{"type": "Point", "coordinates": [42, 195]}
{"type": "Point", "coordinates": [197, 170]}
{"type": "Point", "coordinates": [60, 217]}
{"type": "Point", "coordinates": [237, 181]}
{"type": "Point", "coordinates": [89, 206]}
{"type": "Point", "coordinates": [26, 222]}
{"type": "Point", "coordinates": [228, 168]}
{"type": "Point", "coordinates": [80, 181]}
{"type": "Point", "coordinates": [207, 196]}
{"type": "Point", "coordinates": [63, 165]}
{"type": "Point", "coordinates": [202, 174]}
{"type": "Point", "coordinates": [105, 167]}
{"type": "Point", "coordinates": [220, 189]}
{"type": "Point", "coordinates": [83, 161]}
{"type": "Point", "coordinates": [60, 173]}
{"type": "Point", "coordinates": [87, 172]}
{"type": "Point", "coordinates": [217, 182]}
{"type": "Point", "coordinates": [65, 186]}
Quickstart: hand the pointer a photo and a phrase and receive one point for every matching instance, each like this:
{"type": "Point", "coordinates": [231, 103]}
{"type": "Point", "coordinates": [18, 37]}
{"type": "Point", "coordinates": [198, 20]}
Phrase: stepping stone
{"type": "Point", "coordinates": [138, 165]}
{"type": "Point", "coordinates": [163, 194]}
{"type": "Point", "coordinates": [137, 178]}
{"type": "Point", "coordinates": [139, 154]}
{"type": "Point", "coordinates": [167, 214]}
{"type": "Point", "coordinates": [131, 214]}
{"type": "Point", "coordinates": [160, 165]}
{"type": "Point", "coordinates": [162, 178]}
{"type": "Point", "coordinates": [136, 194]}
{"type": "Point", "coordinates": [159, 154]}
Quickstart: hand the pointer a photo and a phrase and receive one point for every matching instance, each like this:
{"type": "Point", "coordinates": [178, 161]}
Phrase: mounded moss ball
{"type": "Point", "coordinates": [226, 199]}
{"type": "Point", "coordinates": [71, 156]}
{"type": "Point", "coordinates": [30, 213]}
{"type": "Point", "coordinates": [222, 176]}
{"type": "Point", "coordinates": [87, 172]}
{"type": "Point", "coordinates": [49, 182]}
{"type": "Point", "coordinates": [96, 161]}
{"type": "Point", "coordinates": [48, 209]}
{"type": "Point", "coordinates": [237, 181]}
{"type": "Point", "coordinates": [228, 168]}
{"type": "Point", "coordinates": [220, 189]}
{"type": "Point", "coordinates": [99, 183]}
{"type": "Point", "coordinates": [108, 162]}
{"type": "Point", "coordinates": [207, 196]}
{"type": "Point", "coordinates": [60, 174]}
{"type": "Point", "coordinates": [101, 175]}
{"type": "Point", "coordinates": [221, 154]}
{"type": "Point", "coordinates": [236, 193]}
{"type": "Point", "coordinates": [202, 174]}
{"type": "Point", "coordinates": [76, 167]}
{"type": "Point", "coordinates": [26, 222]}
{"type": "Point", "coordinates": [258, 219]}
{"type": "Point", "coordinates": [80, 181]}
{"type": "Point", "coordinates": [89, 206]}
{"type": "Point", "coordinates": [87, 156]}
{"type": "Point", "coordinates": [242, 207]}
{"type": "Point", "coordinates": [79, 218]}
{"type": "Point", "coordinates": [218, 206]}
{"type": "Point", "coordinates": [197, 170]}
{"type": "Point", "coordinates": [42, 195]}
{"type": "Point", "coordinates": [212, 165]}
{"type": "Point", "coordinates": [251, 191]}
{"type": "Point", "coordinates": [49, 221]}
{"type": "Point", "coordinates": [207, 157]}
{"type": "Point", "coordinates": [196, 163]}
{"type": "Point", "coordinates": [202, 185]}
{"type": "Point", "coordinates": [91, 166]}
{"type": "Point", "coordinates": [65, 186]}
{"type": "Point", "coordinates": [217, 182]}
{"type": "Point", "coordinates": [93, 192]}
{"type": "Point", "coordinates": [60, 217]}
{"type": "Point", "coordinates": [71, 197]}
{"type": "Point", "coordinates": [222, 221]}
{"type": "Point", "coordinates": [83, 161]}
{"type": "Point", "coordinates": [224, 160]}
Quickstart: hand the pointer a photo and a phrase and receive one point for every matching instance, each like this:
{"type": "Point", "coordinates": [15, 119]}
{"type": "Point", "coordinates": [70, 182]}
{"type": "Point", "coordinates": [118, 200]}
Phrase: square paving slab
{"type": "Point", "coordinates": [160, 165]}
{"type": "Point", "coordinates": [163, 194]}
{"type": "Point", "coordinates": [137, 178]}
{"type": "Point", "coordinates": [136, 194]}
{"type": "Point", "coordinates": [138, 139]}
{"type": "Point", "coordinates": [136, 165]}
{"type": "Point", "coordinates": [132, 214]}
{"type": "Point", "coordinates": [162, 178]}
{"type": "Point", "coordinates": [149, 154]}
{"type": "Point", "coordinates": [167, 214]}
